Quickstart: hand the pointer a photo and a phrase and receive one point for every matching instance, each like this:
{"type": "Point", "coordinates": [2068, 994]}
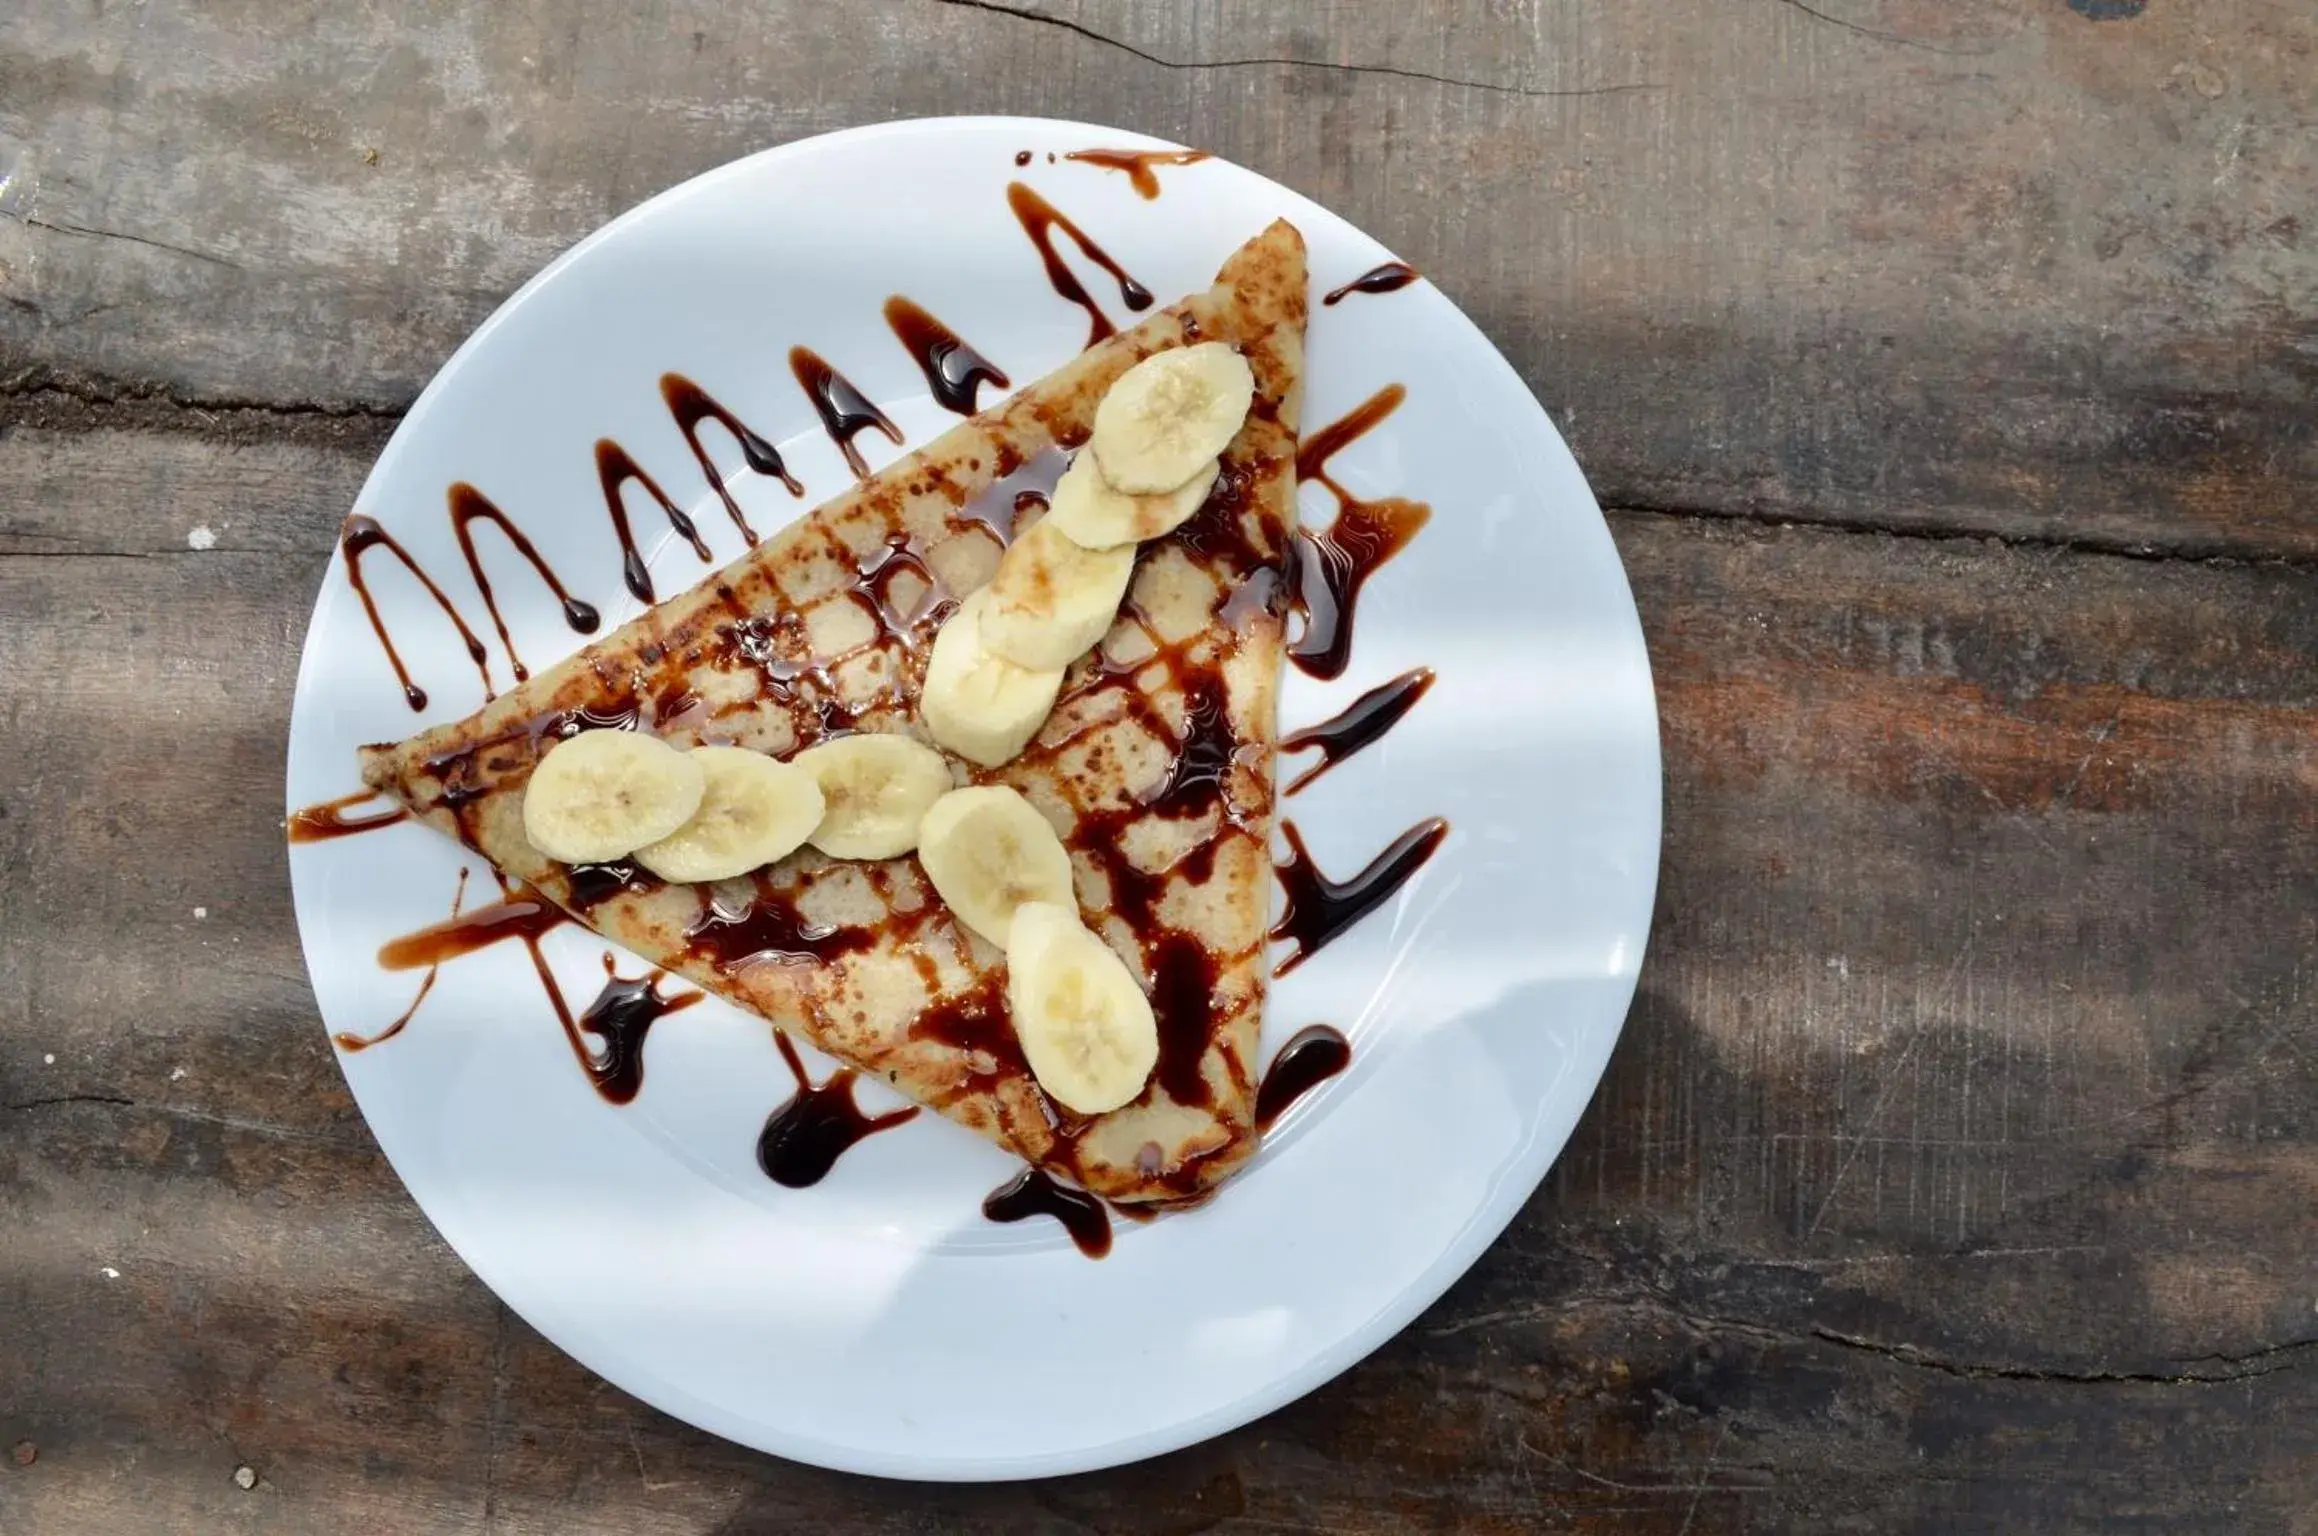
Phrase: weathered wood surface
{"type": "Point", "coordinates": [1958, 1168]}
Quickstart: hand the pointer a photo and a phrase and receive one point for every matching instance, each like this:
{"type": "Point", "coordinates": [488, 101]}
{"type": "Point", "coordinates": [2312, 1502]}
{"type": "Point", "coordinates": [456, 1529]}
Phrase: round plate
{"type": "Point", "coordinates": [877, 1322]}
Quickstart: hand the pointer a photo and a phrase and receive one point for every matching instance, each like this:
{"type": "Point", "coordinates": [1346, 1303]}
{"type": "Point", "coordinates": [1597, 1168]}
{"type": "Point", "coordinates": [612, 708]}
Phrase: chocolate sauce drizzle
{"type": "Point", "coordinates": [1034, 1192]}
{"type": "Point", "coordinates": [803, 1139]}
{"type": "Point", "coordinates": [525, 917]}
{"type": "Point", "coordinates": [1378, 279]}
{"type": "Point", "coordinates": [1312, 1055]}
{"type": "Point", "coordinates": [691, 405]}
{"type": "Point", "coordinates": [468, 504]}
{"type": "Point", "coordinates": [1318, 909]}
{"type": "Point", "coordinates": [1331, 564]}
{"type": "Point", "coordinates": [1195, 779]}
{"type": "Point", "coordinates": [1039, 219]}
{"type": "Point", "coordinates": [954, 371]}
{"type": "Point", "coordinates": [614, 468]}
{"type": "Point", "coordinates": [845, 411]}
{"type": "Point", "coordinates": [1183, 977]}
{"type": "Point", "coordinates": [328, 819]}
{"type": "Point", "coordinates": [621, 1016]}
{"type": "Point", "coordinates": [1359, 724]}
{"type": "Point", "coordinates": [1139, 164]}
{"type": "Point", "coordinates": [769, 929]}
{"type": "Point", "coordinates": [352, 1042]}
{"type": "Point", "coordinates": [363, 534]}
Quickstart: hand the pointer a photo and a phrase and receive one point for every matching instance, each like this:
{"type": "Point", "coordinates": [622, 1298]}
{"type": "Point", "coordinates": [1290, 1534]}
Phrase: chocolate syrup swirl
{"type": "Point", "coordinates": [954, 371]}
{"type": "Point", "coordinates": [1380, 279]}
{"type": "Point", "coordinates": [328, 819]}
{"type": "Point", "coordinates": [467, 505]}
{"type": "Point", "coordinates": [614, 468]}
{"type": "Point", "coordinates": [1040, 219]}
{"type": "Point", "coordinates": [621, 1016]}
{"type": "Point", "coordinates": [1034, 1192]}
{"type": "Point", "coordinates": [845, 412]}
{"type": "Point", "coordinates": [803, 1139]}
{"type": "Point", "coordinates": [1312, 1055]}
{"type": "Point", "coordinates": [1359, 724]}
{"type": "Point", "coordinates": [1319, 909]}
{"type": "Point", "coordinates": [691, 405]}
{"type": "Point", "coordinates": [363, 534]}
{"type": "Point", "coordinates": [1139, 164]}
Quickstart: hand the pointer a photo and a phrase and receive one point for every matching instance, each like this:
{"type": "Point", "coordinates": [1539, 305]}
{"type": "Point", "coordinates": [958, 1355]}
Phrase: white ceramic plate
{"type": "Point", "coordinates": [877, 1322]}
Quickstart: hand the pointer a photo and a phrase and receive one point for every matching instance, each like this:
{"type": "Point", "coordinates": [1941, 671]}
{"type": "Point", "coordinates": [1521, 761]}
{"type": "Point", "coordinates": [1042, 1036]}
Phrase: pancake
{"type": "Point", "coordinates": [1156, 766]}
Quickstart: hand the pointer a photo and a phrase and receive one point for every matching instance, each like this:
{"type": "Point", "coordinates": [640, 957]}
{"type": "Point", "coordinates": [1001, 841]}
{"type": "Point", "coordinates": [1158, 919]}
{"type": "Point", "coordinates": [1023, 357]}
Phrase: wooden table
{"type": "Point", "coordinates": [1950, 370]}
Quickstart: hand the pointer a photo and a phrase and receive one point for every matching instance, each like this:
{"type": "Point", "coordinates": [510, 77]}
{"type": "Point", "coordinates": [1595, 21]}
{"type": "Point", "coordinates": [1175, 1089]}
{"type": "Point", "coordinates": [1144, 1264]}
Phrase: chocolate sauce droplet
{"type": "Point", "coordinates": [1361, 723]}
{"type": "Point", "coordinates": [1312, 1055]}
{"type": "Point", "coordinates": [1379, 279]}
{"type": "Point", "coordinates": [691, 405]}
{"type": "Point", "coordinates": [467, 506]}
{"type": "Point", "coordinates": [363, 534]}
{"type": "Point", "coordinates": [954, 371]}
{"type": "Point", "coordinates": [621, 1016]}
{"type": "Point", "coordinates": [329, 819]}
{"type": "Point", "coordinates": [523, 917]}
{"type": "Point", "coordinates": [614, 469]}
{"type": "Point", "coordinates": [1040, 219]}
{"type": "Point", "coordinates": [1319, 909]}
{"type": "Point", "coordinates": [1034, 1192]}
{"type": "Point", "coordinates": [1139, 164]}
{"type": "Point", "coordinates": [845, 411]}
{"type": "Point", "coordinates": [803, 1139]}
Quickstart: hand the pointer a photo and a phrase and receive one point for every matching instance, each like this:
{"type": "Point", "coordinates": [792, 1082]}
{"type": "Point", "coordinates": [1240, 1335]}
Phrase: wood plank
{"type": "Point", "coordinates": [1945, 1177]}
{"type": "Point", "coordinates": [1980, 264]}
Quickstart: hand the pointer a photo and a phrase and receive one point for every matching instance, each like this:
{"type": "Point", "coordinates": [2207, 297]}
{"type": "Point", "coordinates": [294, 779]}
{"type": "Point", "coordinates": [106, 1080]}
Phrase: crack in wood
{"type": "Point", "coordinates": [145, 240]}
{"type": "Point", "coordinates": [2215, 1369]}
{"type": "Point", "coordinates": [1284, 62]}
{"type": "Point", "coordinates": [1881, 36]}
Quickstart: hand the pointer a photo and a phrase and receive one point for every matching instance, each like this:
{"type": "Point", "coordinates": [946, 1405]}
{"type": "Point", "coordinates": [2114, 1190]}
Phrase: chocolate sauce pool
{"type": "Point", "coordinates": [803, 1139]}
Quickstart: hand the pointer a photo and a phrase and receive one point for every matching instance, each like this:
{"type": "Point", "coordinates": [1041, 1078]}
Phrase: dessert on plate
{"type": "Point", "coordinates": [982, 809]}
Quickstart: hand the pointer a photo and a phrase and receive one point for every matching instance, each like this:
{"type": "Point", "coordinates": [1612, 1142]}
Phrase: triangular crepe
{"type": "Point", "coordinates": [1156, 767]}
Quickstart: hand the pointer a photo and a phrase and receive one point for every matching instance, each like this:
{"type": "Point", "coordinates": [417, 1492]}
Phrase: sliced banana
{"type": "Point", "coordinates": [981, 706]}
{"type": "Point", "coordinates": [1086, 1028]}
{"type": "Point", "coordinates": [1169, 414]}
{"type": "Point", "coordinates": [877, 789]}
{"type": "Point", "coordinates": [987, 851]}
{"type": "Point", "coordinates": [1051, 599]}
{"type": "Point", "coordinates": [604, 794]}
{"type": "Point", "coordinates": [754, 809]}
{"type": "Point", "coordinates": [1094, 515]}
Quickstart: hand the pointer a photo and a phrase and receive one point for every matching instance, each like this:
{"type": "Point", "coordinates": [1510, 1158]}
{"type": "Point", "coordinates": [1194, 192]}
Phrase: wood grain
{"type": "Point", "coordinates": [1955, 1170]}
{"type": "Point", "coordinates": [1957, 264]}
{"type": "Point", "coordinates": [1961, 1130]}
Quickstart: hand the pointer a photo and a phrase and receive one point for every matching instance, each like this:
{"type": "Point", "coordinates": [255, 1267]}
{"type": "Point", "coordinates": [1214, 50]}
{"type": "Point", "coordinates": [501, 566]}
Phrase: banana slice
{"type": "Point", "coordinates": [755, 809]}
{"type": "Point", "coordinates": [1086, 1028]}
{"type": "Point", "coordinates": [1094, 515]}
{"type": "Point", "coordinates": [1051, 599]}
{"type": "Point", "coordinates": [982, 707]}
{"type": "Point", "coordinates": [1169, 414]}
{"type": "Point", "coordinates": [877, 788]}
{"type": "Point", "coordinates": [603, 794]}
{"type": "Point", "coordinates": [987, 851]}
